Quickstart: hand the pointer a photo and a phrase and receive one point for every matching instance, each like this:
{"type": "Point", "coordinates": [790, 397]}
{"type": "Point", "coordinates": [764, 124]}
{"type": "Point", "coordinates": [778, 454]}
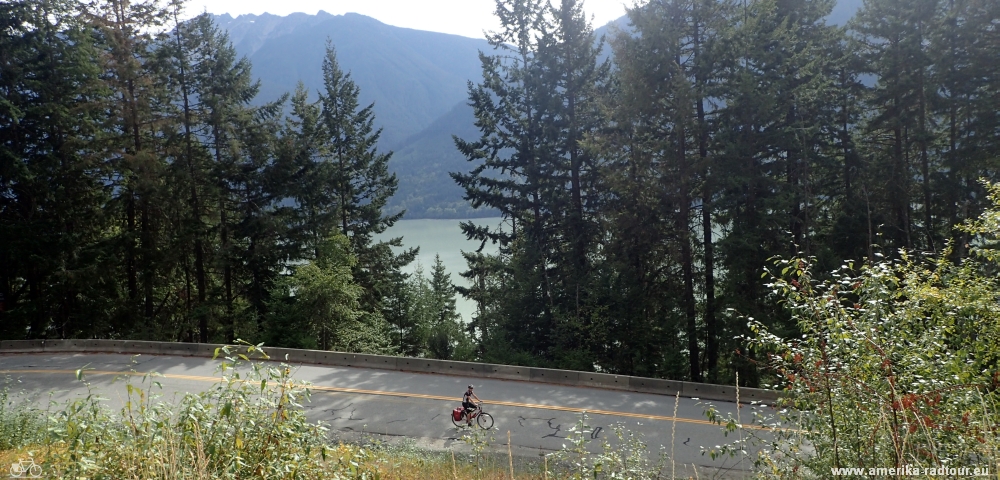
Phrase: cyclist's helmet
{"type": "Point", "coordinates": [470, 387]}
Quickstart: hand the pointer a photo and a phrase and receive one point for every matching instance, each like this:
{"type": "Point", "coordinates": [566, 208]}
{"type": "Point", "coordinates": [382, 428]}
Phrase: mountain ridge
{"type": "Point", "coordinates": [417, 80]}
{"type": "Point", "coordinates": [412, 76]}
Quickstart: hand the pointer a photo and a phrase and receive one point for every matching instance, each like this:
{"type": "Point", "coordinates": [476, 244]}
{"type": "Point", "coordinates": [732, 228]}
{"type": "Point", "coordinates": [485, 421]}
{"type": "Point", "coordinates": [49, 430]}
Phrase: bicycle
{"type": "Point", "coordinates": [483, 419]}
{"type": "Point", "coordinates": [29, 467]}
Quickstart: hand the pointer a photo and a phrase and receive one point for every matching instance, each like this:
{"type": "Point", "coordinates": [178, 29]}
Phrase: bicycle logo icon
{"type": "Point", "coordinates": [26, 469]}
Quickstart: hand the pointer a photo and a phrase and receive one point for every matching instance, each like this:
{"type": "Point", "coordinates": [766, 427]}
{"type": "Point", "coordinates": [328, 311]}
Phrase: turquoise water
{"type": "Point", "coordinates": [445, 238]}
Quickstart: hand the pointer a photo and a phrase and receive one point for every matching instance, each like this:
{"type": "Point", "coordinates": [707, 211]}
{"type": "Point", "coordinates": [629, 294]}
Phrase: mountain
{"type": "Point", "coordinates": [417, 79]}
{"type": "Point", "coordinates": [423, 162]}
{"type": "Point", "coordinates": [414, 77]}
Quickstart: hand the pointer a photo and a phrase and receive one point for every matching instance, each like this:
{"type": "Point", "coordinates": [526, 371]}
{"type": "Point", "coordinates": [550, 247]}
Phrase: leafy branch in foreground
{"type": "Point", "coordinates": [897, 363]}
{"type": "Point", "coordinates": [250, 424]}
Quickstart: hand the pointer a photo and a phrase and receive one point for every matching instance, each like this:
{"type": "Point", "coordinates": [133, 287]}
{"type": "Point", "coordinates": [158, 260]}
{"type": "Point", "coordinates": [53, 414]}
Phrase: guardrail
{"type": "Point", "coordinates": [409, 364]}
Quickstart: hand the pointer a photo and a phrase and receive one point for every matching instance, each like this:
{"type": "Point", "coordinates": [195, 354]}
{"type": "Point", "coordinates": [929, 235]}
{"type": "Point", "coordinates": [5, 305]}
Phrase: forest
{"type": "Point", "coordinates": [645, 180]}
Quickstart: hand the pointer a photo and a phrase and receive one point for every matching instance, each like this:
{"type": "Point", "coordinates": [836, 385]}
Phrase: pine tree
{"type": "Point", "coordinates": [508, 174]}
{"type": "Point", "coordinates": [238, 137]}
{"type": "Point", "coordinates": [444, 293]}
{"type": "Point", "coordinates": [448, 339]}
{"type": "Point", "coordinates": [657, 112]}
{"type": "Point", "coordinates": [192, 169]}
{"type": "Point", "coordinates": [354, 184]}
{"type": "Point", "coordinates": [126, 34]}
{"type": "Point", "coordinates": [535, 107]}
{"type": "Point", "coordinates": [961, 49]}
{"type": "Point", "coordinates": [571, 80]}
{"type": "Point", "coordinates": [893, 36]}
{"type": "Point", "coordinates": [55, 266]}
{"type": "Point", "coordinates": [775, 132]}
{"type": "Point", "coordinates": [322, 298]}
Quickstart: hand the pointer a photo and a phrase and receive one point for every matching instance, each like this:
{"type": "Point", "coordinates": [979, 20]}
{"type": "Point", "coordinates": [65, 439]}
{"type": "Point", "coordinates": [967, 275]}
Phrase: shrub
{"type": "Point", "coordinates": [20, 425]}
{"type": "Point", "coordinates": [248, 425]}
{"type": "Point", "coordinates": [897, 364]}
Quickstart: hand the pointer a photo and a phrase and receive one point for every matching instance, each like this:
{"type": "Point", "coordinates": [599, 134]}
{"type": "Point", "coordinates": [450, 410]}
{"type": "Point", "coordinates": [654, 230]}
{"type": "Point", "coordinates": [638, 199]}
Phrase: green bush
{"type": "Point", "coordinates": [898, 364]}
{"type": "Point", "coordinates": [248, 425]}
{"type": "Point", "coordinates": [20, 425]}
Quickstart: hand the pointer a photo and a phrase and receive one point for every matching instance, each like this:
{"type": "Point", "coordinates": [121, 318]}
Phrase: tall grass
{"type": "Point", "coordinates": [251, 424]}
{"type": "Point", "coordinates": [20, 424]}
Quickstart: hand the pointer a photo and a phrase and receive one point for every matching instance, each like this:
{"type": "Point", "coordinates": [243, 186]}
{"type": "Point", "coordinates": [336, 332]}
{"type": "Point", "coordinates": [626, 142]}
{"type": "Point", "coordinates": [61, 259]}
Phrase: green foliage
{"type": "Point", "coordinates": [20, 424]}
{"type": "Point", "coordinates": [479, 441]}
{"type": "Point", "coordinates": [986, 229]}
{"type": "Point", "coordinates": [627, 457]}
{"type": "Point", "coordinates": [170, 202]}
{"type": "Point", "coordinates": [434, 328]}
{"type": "Point", "coordinates": [322, 299]}
{"type": "Point", "coordinates": [248, 425]}
{"type": "Point", "coordinates": [58, 259]}
{"type": "Point", "coordinates": [537, 102]}
{"type": "Point", "coordinates": [897, 364]}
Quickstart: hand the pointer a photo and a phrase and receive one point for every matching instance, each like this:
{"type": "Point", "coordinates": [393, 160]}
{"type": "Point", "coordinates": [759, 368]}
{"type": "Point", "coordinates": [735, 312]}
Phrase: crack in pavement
{"type": "Point", "coordinates": [556, 429]}
{"type": "Point", "coordinates": [334, 411]}
{"type": "Point", "coordinates": [521, 419]}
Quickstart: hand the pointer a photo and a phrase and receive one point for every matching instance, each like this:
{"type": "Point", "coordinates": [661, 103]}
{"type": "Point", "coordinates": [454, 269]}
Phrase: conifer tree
{"type": "Point", "coordinates": [508, 174]}
{"type": "Point", "coordinates": [893, 38]}
{"type": "Point", "coordinates": [535, 107]}
{"type": "Point", "coordinates": [448, 338]}
{"type": "Point", "coordinates": [657, 113]}
{"type": "Point", "coordinates": [775, 132]}
{"type": "Point", "coordinates": [354, 184]}
{"type": "Point", "coordinates": [55, 264]}
{"type": "Point", "coordinates": [128, 35]}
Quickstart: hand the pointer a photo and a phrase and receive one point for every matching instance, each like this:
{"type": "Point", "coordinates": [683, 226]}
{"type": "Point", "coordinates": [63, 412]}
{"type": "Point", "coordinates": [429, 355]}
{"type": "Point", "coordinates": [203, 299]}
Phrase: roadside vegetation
{"type": "Point", "coordinates": [252, 424]}
{"type": "Point", "coordinates": [897, 364]}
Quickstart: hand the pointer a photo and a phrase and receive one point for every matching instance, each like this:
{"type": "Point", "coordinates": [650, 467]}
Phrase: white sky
{"type": "Point", "coordinates": [460, 17]}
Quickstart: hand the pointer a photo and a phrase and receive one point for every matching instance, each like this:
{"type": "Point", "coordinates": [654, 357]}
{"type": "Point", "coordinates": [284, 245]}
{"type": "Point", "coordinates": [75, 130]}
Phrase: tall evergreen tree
{"type": "Point", "coordinates": [127, 34]}
{"type": "Point", "coordinates": [55, 262]}
{"type": "Point", "coordinates": [536, 106]}
{"type": "Point", "coordinates": [894, 36]}
{"type": "Point", "coordinates": [775, 130]}
{"type": "Point", "coordinates": [354, 184]}
{"type": "Point", "coordinates": [657, 111]}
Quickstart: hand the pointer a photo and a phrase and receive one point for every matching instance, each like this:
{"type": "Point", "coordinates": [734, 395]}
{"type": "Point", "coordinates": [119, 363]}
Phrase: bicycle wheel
{"type": "Point", "coordinates": [457, 423]}
{"type": "Point", "coordinates": [35, 471]}
{"type": "Point", "coordinates": [485, 421]}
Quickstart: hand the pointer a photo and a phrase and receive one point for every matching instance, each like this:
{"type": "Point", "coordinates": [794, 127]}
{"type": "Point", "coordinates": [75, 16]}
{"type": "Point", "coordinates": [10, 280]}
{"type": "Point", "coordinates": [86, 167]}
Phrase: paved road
{"type": "Point", "coordinates": [415, 405]}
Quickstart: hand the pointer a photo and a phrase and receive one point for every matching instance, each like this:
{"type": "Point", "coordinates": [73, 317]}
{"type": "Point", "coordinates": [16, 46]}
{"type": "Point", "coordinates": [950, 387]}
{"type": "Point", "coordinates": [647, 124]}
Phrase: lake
{"type": "Point", "coordinates": [445, 238]}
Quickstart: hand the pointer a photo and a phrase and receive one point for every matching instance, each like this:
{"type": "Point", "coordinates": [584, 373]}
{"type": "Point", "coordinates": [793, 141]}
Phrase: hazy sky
{"type": "Point", "coordinates": [461, 17]}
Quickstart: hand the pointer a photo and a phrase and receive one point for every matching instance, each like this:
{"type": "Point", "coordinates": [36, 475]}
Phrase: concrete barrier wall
{"type": "Point", "coordinates": [424, 365]}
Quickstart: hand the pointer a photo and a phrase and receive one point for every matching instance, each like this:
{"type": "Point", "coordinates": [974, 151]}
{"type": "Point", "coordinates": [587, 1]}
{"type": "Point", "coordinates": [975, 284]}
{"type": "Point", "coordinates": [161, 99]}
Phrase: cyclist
{"type": "Point", "coordinates": [468, 404]}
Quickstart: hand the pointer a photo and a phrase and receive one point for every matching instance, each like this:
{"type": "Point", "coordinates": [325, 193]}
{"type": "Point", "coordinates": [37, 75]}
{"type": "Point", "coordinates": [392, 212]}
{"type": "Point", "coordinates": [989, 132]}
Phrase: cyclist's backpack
{"type": "Point", "coordinates": [457, 413]}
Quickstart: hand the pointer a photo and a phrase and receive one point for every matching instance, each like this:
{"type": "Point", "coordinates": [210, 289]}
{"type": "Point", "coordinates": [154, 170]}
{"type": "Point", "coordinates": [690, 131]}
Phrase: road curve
{"type": "Point", "coordinates": [415, 405]}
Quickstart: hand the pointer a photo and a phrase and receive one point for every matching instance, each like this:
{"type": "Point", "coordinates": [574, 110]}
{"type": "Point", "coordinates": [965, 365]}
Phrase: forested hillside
{"type": "Point", "coordinates": [149, 192]}
{"type": "Point", "coordinates": [643, 200]}
{"type": "Point", "coordinates": [416, 79]}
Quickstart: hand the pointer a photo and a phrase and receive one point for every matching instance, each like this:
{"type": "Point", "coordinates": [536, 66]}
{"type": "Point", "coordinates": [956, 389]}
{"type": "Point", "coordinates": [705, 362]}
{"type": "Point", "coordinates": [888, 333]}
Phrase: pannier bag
{"type": "Point", "coordinates": [457, 413]}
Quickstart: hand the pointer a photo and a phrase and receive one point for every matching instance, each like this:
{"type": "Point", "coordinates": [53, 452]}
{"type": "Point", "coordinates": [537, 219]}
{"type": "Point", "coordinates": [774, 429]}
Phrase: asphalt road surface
{"type": "Point", "coordinates": [395, 404]}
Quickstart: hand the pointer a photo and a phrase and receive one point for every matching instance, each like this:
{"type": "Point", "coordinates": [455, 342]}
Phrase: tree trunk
{"type": "Point", "coordinates": [199, 250]}
{"type": "Point", "coordinates": [687, 259]}
{"type": "Point", "coordinates": [708, 250]}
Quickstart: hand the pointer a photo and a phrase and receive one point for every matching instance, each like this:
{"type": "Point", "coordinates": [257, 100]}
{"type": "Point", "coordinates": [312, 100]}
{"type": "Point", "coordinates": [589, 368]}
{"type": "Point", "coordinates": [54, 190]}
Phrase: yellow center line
{"type": "Point", "coordinates": [399, 394]}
